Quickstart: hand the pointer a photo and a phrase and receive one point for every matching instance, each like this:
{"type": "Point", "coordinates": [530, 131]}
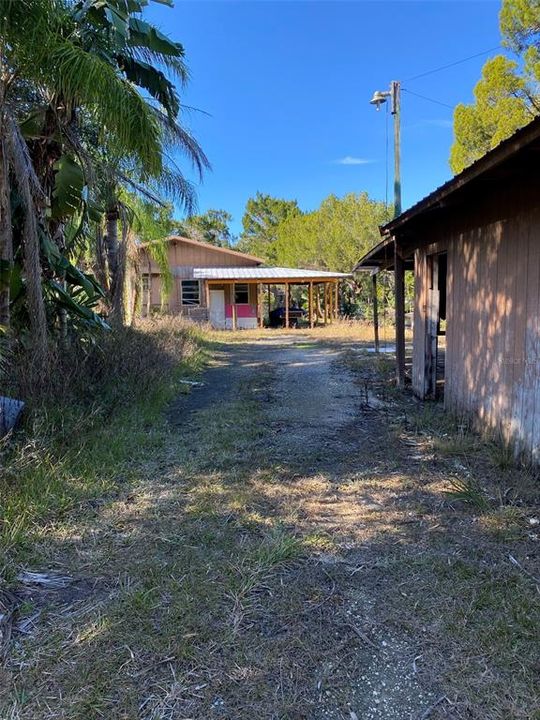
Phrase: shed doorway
{"type": "Point", "coordinates": [435, 326]}
{"type": "Point", "coordinates": [217, 309]}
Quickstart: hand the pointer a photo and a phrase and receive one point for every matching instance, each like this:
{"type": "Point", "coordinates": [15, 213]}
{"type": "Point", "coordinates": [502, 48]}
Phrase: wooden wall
{"type": "Point", "coordinates": [183, 258]}
{"type": "Point", "coordinates": [493, 314]}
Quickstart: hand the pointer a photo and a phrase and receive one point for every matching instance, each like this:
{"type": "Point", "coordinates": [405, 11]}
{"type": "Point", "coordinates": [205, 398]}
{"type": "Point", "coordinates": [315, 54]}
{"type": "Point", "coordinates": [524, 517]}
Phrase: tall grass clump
{"type": "Point", "coordinates": [98, 408]}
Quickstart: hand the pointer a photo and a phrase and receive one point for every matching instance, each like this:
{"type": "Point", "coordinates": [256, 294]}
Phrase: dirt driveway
{"type": "Point", "coordinates": [292, 552]}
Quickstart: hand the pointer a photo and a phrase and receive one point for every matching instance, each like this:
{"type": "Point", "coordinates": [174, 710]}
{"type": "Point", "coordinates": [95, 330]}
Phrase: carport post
{"type": "Point", "coordinates": [269, 303]}
{"type": "Point", "coordinates": [233, 304]}
{"type": "Point", "coordinates": [287, 293]}
{"type": "Point", "coordinates": [336, 307]}
{"type": "Point", "coordinates": [260, 322]}
{"type": "Point", "coordinates": [330, 301]}
{"type": "Point", "coordinates": [325, 295]}
{"type": "Point", "coordinates": [207, 297]}
{"type": "Point", "coordinates": [310, 304]}
{"type": "Point", "coordinates": [399, 277]}
{"type": "Point", "coordinates": [375, 311]}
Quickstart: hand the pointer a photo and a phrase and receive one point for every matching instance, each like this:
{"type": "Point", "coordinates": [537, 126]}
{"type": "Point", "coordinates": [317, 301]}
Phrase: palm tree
{"type": "Point", "coordinates": [126, 178]}
{"type": "Point", "coordinates": [84, 61]}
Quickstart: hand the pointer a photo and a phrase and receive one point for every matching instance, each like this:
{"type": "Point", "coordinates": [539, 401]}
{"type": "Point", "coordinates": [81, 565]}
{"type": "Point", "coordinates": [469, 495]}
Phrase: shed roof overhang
{"type": "Point", "coordinates": [516, 157]}
{"type": "Point", "coordinates": [381, 257]}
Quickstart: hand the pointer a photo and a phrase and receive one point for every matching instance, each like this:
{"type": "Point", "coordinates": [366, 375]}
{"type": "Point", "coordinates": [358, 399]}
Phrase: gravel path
{"type": "Point", "coordinates": [317, 424]}
{"type": "Point", "coordinates": [287, 550]}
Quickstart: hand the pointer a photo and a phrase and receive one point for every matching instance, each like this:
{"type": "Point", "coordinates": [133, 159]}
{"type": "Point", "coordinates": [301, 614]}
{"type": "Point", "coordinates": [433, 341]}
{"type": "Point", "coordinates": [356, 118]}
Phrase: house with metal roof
{"type": "Point", "coordinates": [234, 290]}
{"type": "Point", "coordinates": [474, 247]}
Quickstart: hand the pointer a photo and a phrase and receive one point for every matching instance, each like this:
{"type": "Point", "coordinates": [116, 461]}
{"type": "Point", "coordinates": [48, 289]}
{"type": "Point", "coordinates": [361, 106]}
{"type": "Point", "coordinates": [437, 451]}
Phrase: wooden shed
{"type": "Point", "coordinates": [474, 247]}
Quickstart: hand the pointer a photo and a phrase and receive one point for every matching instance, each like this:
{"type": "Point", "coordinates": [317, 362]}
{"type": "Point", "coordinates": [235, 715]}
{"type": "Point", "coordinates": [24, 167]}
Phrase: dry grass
{"type": "Point", "coordinates": [100, 407]}
{"type": "Point", "coordinates": [231, 580]}
{"type": "Point", "coordinates": [353, 331]}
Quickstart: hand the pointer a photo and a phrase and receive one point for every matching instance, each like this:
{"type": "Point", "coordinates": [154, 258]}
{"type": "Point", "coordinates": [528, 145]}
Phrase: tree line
{"type": "Point", "coordinates": [332, 237]}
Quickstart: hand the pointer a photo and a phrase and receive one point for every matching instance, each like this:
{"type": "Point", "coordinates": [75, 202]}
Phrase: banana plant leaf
{"type": "Point", "coordinates": [62, 267]}
{"type": "Point", "coordinates": [67, 198]}
{"type": "Point", "coordinates": [152, 80]}
{"type": "Point", "coordinates": [142, 34]}
{"type": "Point", "coordinates": [77, 304]}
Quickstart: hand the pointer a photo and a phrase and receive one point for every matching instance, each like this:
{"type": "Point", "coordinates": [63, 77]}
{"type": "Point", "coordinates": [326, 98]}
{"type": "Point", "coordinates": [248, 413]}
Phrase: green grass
{"type": "Point", "coordinates": [219, 581]}
{"type": "Point", "coordinates": [68, 455]}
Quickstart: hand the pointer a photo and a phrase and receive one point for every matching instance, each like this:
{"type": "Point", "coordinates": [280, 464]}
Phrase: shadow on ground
{"type": "Point", "coordinates": [290, 554]}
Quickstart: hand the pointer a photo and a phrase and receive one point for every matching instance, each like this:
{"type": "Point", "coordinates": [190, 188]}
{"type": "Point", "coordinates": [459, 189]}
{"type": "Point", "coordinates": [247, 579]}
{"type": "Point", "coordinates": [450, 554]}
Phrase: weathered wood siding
{"type": "Point", "coordinates": [183, 258]}
{"type": "Point", "coordinates": [493, 307]}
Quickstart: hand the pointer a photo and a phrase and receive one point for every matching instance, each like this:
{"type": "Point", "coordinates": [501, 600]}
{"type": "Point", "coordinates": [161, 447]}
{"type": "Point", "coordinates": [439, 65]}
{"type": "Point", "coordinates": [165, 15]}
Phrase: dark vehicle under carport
{"type": "Point", "coordinates": [277, 317]}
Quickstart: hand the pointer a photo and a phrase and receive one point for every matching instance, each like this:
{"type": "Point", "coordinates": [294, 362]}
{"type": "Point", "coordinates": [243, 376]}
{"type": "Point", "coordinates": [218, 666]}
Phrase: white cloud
{"type": "Point", "coordinates": [350, 160]}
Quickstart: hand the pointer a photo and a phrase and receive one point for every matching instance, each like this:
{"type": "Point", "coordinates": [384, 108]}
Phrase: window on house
{"type": "Point", "coordinates": [241, 295]}
{"type": "Point", "coordinates": [146, 283]}
{"type": "Point", "coordinates": [191, 293]}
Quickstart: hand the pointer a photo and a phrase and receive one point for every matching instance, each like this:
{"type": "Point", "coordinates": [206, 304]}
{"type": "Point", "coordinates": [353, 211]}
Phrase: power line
{"type": "Point", "coordinates": [453, 64]}
{"type": "Point", "coordinates": [424, 97]}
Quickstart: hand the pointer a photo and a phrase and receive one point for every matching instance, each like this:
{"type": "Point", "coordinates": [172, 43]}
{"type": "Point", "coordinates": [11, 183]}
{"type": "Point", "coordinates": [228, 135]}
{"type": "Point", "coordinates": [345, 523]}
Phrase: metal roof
{"type": "Point", "coordinates": [264, 273]}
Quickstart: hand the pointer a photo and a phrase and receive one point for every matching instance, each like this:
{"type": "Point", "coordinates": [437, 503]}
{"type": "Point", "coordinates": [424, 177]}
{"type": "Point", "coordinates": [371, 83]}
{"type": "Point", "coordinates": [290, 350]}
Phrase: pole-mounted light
{"type": "Point", "coordinates": [379, 97]}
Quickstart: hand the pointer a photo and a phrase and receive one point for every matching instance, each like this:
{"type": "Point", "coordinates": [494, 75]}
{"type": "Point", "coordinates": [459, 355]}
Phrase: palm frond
{"type": "Point", "coordinates": [140, 189]}
{"type": "Point", "coordinates": [175, 137]}
{"type": "Point", "coordinates": [172, 184]}
{"type": "Point", "coordinates": [83, 78]}
{"type": "Point", "coordinates": [32, 199]}
{"type": "Point", "coordinates": [25, 176]}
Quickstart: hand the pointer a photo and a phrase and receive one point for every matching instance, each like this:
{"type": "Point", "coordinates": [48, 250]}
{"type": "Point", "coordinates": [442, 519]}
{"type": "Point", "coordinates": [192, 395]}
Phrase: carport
{"type": "Point", "coordinates": [236, 296]}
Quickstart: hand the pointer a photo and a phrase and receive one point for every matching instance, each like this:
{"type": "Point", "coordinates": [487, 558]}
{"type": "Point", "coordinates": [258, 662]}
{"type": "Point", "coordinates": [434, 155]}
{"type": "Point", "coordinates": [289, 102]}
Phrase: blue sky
{"type": "Point", "coordinates": [287, 85]}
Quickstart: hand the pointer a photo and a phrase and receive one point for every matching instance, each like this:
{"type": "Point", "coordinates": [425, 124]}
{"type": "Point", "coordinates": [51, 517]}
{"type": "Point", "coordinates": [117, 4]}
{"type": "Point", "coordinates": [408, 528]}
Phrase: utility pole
{"type": "Point", "coordinates": [380, 97]}
{"type": "Point", "coordinates": [395, 89]}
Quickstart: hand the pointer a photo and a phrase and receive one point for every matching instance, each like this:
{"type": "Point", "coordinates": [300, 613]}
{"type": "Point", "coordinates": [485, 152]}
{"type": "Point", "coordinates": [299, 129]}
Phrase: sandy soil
{"type": "Point", "coordinates": [321, 422]}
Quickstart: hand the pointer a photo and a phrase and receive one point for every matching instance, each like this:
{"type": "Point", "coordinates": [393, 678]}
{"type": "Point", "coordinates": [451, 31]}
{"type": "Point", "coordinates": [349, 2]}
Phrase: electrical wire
{"type": "Point", "coordinates": [453, 64]}
{"type": "Point", "coordinates": [424, 97]}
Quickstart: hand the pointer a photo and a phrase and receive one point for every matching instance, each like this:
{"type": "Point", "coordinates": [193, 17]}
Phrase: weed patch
{"type": "Point", "coordinates": [87, 430]}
